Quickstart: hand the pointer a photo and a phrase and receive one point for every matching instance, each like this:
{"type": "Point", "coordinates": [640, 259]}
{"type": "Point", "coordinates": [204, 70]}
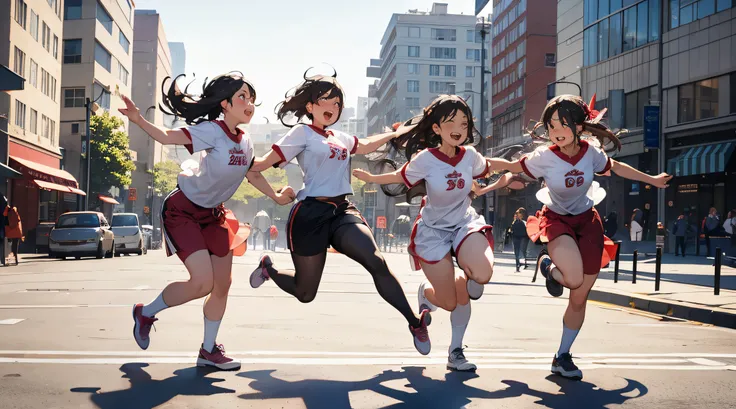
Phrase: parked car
{"type": "Point", "coordinates": [79, 234]}
{"type": "Point", "coordinates": [42, 236]}
{"type": "Point", "coordinates": [128, 234]}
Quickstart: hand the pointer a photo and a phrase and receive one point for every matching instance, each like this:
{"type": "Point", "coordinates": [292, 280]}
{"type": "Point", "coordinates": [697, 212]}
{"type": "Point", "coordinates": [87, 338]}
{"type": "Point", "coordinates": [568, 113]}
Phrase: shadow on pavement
{"type": "Point", "coordinates": [146, 392]}
{"type": "Point", "coordinates": [450, 393]}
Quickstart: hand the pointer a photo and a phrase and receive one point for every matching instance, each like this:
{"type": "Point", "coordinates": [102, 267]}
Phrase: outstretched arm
{"type": "Point", "coordinates": [164, 136]}
{"type": "Point", "coordinates": [284, 196]}
{"type": "Point", "coordinates": [627, 172]}
{"type": "Point", "coordinates": [384, 179]}
{"type": "Point", "coordinates": [371, 143]}
{"type": "Point", "coordinates": [265, 162]}
{"type": "Point", "coordinates": [503, 164]}
{"type": "Point", "coordinates": [503, 181]}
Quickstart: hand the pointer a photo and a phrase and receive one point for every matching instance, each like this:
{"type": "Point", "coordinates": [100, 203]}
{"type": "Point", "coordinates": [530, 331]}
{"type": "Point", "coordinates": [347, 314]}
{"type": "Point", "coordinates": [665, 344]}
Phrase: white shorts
{"type": "Point", "coordinates": [430, 245]}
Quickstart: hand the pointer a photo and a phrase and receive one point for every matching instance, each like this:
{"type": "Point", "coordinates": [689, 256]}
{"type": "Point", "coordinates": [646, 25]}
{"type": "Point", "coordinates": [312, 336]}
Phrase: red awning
{"type": "Point", "coordinates": [56, 186]}
{"type": "Point", "coordinates": [39, 172]}
{"type": "Point", "coordinates": [108, 199]}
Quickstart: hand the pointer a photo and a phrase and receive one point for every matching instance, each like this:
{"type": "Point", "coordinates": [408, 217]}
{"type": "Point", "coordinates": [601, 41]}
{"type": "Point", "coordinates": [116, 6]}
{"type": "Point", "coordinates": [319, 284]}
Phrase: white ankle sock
{"type": "Point", "coordinates": [210, 334]}
{"type": "Point", "coordinates": [568, 337]}
{"type": "Point", "coordinates": [155, 306]}
{"type": "Point", "coordinates": [459, 319]}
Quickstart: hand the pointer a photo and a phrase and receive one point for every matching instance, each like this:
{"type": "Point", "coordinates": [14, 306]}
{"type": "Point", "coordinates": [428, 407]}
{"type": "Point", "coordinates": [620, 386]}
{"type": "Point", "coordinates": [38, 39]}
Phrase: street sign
{"type": "Point", "coordinates": [132, 194]}
{"type": "Point", "coordinates": [381, 222]}
{"type": "Point", "coordinates": [146, 210]}
{"type": "Point", "coordinates": [651, 127]}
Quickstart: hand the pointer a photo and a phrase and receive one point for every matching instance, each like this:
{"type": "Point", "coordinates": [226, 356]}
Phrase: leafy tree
{"type": "Point", "coordinates": [111, 163]}
{"type": "Point", "coordinates": [276, 177]}
{"type": "Point", "coordinates": [165, 176]}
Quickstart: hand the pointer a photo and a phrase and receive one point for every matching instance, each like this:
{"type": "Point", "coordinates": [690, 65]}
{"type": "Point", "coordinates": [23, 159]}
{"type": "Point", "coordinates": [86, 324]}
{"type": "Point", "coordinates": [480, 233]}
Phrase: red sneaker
{"type": "Point", "coordinates": [421, 335]}
{"type": "Point", "coordinates": [217, 358]}
{"type": "Point", "coordinates": [142, 326]}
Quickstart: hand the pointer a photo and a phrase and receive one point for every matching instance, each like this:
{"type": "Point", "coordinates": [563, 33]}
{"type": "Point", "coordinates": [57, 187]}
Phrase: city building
{"type": "Point", "coordinates": [30, 46]}
{"type": "Point", "coordinates": [524, 55]}
{"type": "Point", "coordinates": [151, 65]}
{"type": "Point", "coordinates": [97, 66]}
{"type": "Point", "coordinates": [178, 58]}
{"type": "Point", "coordinates": [423, 54]}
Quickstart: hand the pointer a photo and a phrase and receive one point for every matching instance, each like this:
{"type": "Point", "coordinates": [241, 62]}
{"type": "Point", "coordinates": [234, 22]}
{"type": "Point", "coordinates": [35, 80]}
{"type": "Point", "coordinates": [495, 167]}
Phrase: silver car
{"type": "Point", "coordinates": [78, 234]}
{"type": "Point", "coordinates": [128, 235]}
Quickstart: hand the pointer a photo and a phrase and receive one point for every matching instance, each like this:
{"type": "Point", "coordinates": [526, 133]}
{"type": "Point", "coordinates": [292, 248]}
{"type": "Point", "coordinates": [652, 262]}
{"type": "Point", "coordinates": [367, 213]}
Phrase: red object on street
{"type": "Point", "coordinates": [274, 232]}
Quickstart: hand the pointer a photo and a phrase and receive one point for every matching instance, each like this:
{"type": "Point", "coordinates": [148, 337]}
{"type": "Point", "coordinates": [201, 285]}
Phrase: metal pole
{"type": "Point", "coordinates": [717, 278]}
{"type": "Point", "coordinates": [484, 199]}
{"type": "Point", "coordinates": [87, 107]}
{"type": "Point", "coordinates": [633, 272]}
{"type": "Point", "coordinates": [658, 271]}
{"type": "Point", "coordinates": [615, 264]}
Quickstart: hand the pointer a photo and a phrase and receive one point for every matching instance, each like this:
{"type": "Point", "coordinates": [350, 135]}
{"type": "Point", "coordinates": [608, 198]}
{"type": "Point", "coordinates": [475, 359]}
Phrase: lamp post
{"type": "Point", "coordinates": [483, 28]}
{"type": "Point", "coordinates": [90, 107]}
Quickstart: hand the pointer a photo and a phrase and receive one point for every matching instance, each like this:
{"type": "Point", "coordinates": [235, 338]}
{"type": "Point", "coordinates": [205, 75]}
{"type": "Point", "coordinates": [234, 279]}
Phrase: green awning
{"type": "Point", "coordinates": [7, 172]}
{"type": "Point", "coordinates": [701, 160]}
{"type": "Point", "coordinates": [10, 81]}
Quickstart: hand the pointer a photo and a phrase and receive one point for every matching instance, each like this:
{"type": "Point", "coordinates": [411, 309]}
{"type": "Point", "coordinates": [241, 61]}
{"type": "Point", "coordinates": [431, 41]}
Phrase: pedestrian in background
{"type": "Point", "coordinates": [637, 221]}
{"type": "Point", "coordinates": [519, 237]}
{"type": "Point", "coordinates": [711, 225]}
{"type": "Point", "coordinates": [13, 230]}
{"type": "Point", "coordinates": [680, 230]}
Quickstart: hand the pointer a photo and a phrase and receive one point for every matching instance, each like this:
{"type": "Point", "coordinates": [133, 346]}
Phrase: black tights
{"type": "Point", "coordinates": [356, 242]}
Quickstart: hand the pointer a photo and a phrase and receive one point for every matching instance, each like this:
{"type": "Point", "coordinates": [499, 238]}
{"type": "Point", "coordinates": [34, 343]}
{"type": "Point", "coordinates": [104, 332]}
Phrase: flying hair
{"type": "Point", "coordinates": [309, 91]}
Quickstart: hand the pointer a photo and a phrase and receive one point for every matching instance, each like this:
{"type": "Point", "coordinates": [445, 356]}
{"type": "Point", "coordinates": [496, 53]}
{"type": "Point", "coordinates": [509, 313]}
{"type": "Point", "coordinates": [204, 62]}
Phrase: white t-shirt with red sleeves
{"type": "Point", "coordinates": [226, 158]}
{"type": "Point", "coordinates": [448, 182]}
{"type": "Point", "coordinates": [568, 178]}
{"type": "Point", "coordinates": [323, 156]}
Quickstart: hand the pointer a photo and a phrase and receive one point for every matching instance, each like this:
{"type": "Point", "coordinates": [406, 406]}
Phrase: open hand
{"type": "Point", "coordinates": [130, 110]}
{"type": "Point", "coordinates": [661, 180]}
{"type": "Point", "coordinates": [362, 175]}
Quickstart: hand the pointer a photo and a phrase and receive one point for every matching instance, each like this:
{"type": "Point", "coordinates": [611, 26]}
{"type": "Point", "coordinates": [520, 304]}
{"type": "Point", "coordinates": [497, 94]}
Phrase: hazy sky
{"type": "Point", "coordinates": [274, 41]}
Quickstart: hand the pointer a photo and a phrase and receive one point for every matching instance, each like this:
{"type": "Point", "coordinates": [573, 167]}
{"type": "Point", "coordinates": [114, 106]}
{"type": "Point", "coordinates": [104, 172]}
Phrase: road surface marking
{"type": "Point", "coordinates": [11, 321]}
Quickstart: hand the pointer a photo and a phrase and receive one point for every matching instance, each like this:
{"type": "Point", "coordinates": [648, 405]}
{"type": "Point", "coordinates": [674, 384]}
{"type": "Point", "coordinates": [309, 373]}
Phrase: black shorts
{"type": "Point", "coordinates": [313, 222]}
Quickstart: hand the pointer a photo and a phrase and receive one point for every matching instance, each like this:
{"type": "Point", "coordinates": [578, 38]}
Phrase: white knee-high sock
{"type": "Point", "coordinates": [210, 334]}
{"type": "Point", "coordinates": [459, 319]}
{"type": "Point", "coordinates": [155, 306]}
{"type": "Point", "coordinates": [568, 337]}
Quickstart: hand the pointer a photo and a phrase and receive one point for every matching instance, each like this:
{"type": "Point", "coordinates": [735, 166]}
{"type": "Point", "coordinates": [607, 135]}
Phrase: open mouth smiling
{"type": "Point", "coordinates": [456, 136]}
{"type": "Point", "coordinates": [328, 115]}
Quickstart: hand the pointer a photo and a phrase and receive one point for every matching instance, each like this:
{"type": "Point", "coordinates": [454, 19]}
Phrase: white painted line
{"type": "Point", "coordinates": [42, 306]}
{"type": "Point", "coordinates": [707, 362]}
{"type": "Point", "coordinates": [11, 321]}
{"type": "Point", "coordinates": [141, 287]}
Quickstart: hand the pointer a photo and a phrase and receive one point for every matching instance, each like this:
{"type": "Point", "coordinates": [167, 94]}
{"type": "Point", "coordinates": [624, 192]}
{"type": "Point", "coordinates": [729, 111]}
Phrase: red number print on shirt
{"type": "Point", "coordinates": [238, 160]}
{"type": "Point", "coordinates": [574, 178]}
{"type": "Point", "coordinates": [338, 152]}
{"type": "Point", "coordinates": [455, 180]}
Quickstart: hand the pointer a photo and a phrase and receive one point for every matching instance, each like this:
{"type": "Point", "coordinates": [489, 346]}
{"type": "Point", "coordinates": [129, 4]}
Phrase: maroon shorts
{"type": "Point", "coordinates": [188, 228]}
{"type": "Point", "coordinates": [585, 228]}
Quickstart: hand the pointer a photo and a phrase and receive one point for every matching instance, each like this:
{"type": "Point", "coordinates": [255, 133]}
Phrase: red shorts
{"type": "Point", "coordinates": [585, 228]}
{"type": "Point", "coordinates": [188, 228]}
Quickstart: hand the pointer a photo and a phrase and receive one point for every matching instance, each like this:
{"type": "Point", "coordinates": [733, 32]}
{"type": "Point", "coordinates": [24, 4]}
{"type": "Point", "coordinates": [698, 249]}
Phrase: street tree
{"type": "Point", "coordinates": [165, 175]}
{"type": "Point", "coordinates": [275, 176]}
{"type": "Point", "coordinates": [111, 162]}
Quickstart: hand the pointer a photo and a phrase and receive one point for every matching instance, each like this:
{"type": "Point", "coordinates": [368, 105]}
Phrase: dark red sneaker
{"type": "Point", "coordinates": [421, 335]}
{"type": "Point", "coordinates": [260, 274]}
{"type": "Point", "coordinates": [142, 326]}
{"type": "Point", "coordinates": [217, 359]}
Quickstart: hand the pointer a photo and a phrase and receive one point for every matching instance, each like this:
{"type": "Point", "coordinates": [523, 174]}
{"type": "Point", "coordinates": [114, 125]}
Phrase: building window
{"type": "Point", "coordinates": [102, 95]}
{"type": "Point", "coordinates": [73, 51]}
{"type": "Point", "coordinates": [472, 55]}
{"type": "Point", "coordinates": [412, 86]}
{"type": "Point", "coordinates": [412, 68]}
{"type": "Point", "coordinates": [473, 36]}
{"type": "Point", "coordinates": [34, 25]}
{"type": "Point", "coordinates": [55, 48]}
{"type": "Point", "coordinates": [72, 9]}
{"type": "Point", "coordinates": [74, 98]}
{"type": "Point", "coordinates": [412, 102]}
{"type": "Point", "coordinates": [48, 84]}
{"type": "Point", "coordinates": [104, 18]}
{"type": "Point", "coordinates": [434, 70]}
{"type": "Point", "coordinates": [550, 60]}
{"type": "Point", "coordinates": [124, 42]}
{"type": "Point", "coordinates": [75, 128]}
{"type": "Point", "coordinates": [19, 62]}
{"type": "Point", "coordinates": [441, 87]}
{"type": "Point", "coordinates": [442, 53]}
{"type": "Point", "coordinates": [46, 37]}
{"type": "Point", "coordinates": [103, 57]}
{"type": "Point", "coordinates": [635, 26]}
{"type": "Point", "coordinates": [33, 125]}
{"type": "Point", "coordinates": [698, 100]}
{"type": "Point", "coordinates": [686, 11]}
{"type": "Point", "coordinates": [469, 72]}
{"type": "Point", "coordinates": [45, 126]}
{"type": "Point", "coordinates": [127, 8]}
{"type": "Point", "coordinates": [413, 51]}
{"type": "Point", "coordinates": [20, 114]}
{"type": "Point", "coordinates": [635, 102]}
{"type": "Point", "coordinates": [21, 12]}
{"type": "Point", "coordinates": [122, 74]}
{"type": "Point", "coordinates": [415, 32]}
{"type": "Point", "coordinates": [33, 74]}
{"type": "Point", "coordinates": [444, 34]}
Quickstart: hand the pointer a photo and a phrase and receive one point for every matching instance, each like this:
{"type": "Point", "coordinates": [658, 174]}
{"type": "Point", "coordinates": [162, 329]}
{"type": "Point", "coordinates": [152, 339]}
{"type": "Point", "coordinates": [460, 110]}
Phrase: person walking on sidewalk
{"type": "Point", "coordinates": [13, 230]}
{"type": "Point", "coordinates": [519, 237]}
{"type": "Point", "coordinates": [569, 223]}
{"type": "Point", "coordinates": [323, 215]}
{"type": "Point", "coordinates": [681, 230]}
{"type": "Point", "coordinates": [196, 225]}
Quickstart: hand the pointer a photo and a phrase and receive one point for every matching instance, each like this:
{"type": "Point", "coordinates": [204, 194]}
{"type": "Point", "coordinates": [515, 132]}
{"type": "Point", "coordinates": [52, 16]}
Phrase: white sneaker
{"type": "Point", "coordinates": [424, 303]}
{"type": "Point", "coordinates": [457, 362]}
{"type": "Point", "coordinates": [475, 290]}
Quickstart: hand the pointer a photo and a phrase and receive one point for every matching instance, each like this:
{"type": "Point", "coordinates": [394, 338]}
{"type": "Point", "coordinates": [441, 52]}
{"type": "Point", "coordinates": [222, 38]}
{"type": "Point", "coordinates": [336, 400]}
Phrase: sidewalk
{"type": "Point", "coordinates": [686, 287]}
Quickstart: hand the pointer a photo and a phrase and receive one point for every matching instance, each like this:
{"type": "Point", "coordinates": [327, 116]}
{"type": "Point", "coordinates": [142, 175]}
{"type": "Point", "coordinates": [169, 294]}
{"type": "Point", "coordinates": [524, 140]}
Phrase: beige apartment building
{"type": "Point", "coordinates": [31, 46]}
{"type": "Point", "coordinates": [151, 65]}
{"type": "Point", "coordinates": [97, 65]}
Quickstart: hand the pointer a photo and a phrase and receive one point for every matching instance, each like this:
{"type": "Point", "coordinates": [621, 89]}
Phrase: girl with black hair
{"type": "Point", "coordinates": [447, 224]}
{"type": "Point", "coordinates": [323, 216]}
{"type": "Point", "coordinates": [568, 223]}
{"type": "Point", "coordinates": [196, 224]}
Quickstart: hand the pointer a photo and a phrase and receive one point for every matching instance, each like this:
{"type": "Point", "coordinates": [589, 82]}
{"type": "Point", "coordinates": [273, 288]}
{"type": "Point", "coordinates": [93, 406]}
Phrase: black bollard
{"type": "Point", "coordinates": [717, 282]}
{"type": "Point", "coordinates": [615, 264]}
{"type": "Point", "coordinates": [658, 271]}
{"type": "Point", "coordinates": [633, 272]}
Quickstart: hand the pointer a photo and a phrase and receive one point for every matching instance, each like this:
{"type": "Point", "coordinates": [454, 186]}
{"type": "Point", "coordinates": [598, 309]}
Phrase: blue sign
{"type": "Point", "coordinates": [651, 127]}
{"type": "Point", "coordinates": [479, 4]}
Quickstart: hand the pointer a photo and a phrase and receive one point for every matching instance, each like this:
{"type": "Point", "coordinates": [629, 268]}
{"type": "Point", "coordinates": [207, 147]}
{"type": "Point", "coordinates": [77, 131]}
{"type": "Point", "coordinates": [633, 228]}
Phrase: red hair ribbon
{"type": "Point", "coordinates": [594, 116]}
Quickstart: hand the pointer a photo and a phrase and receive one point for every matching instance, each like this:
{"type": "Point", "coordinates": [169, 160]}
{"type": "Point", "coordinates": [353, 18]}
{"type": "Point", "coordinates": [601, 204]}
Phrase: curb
{"type": "Point", "coordinates": [676, 309]}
